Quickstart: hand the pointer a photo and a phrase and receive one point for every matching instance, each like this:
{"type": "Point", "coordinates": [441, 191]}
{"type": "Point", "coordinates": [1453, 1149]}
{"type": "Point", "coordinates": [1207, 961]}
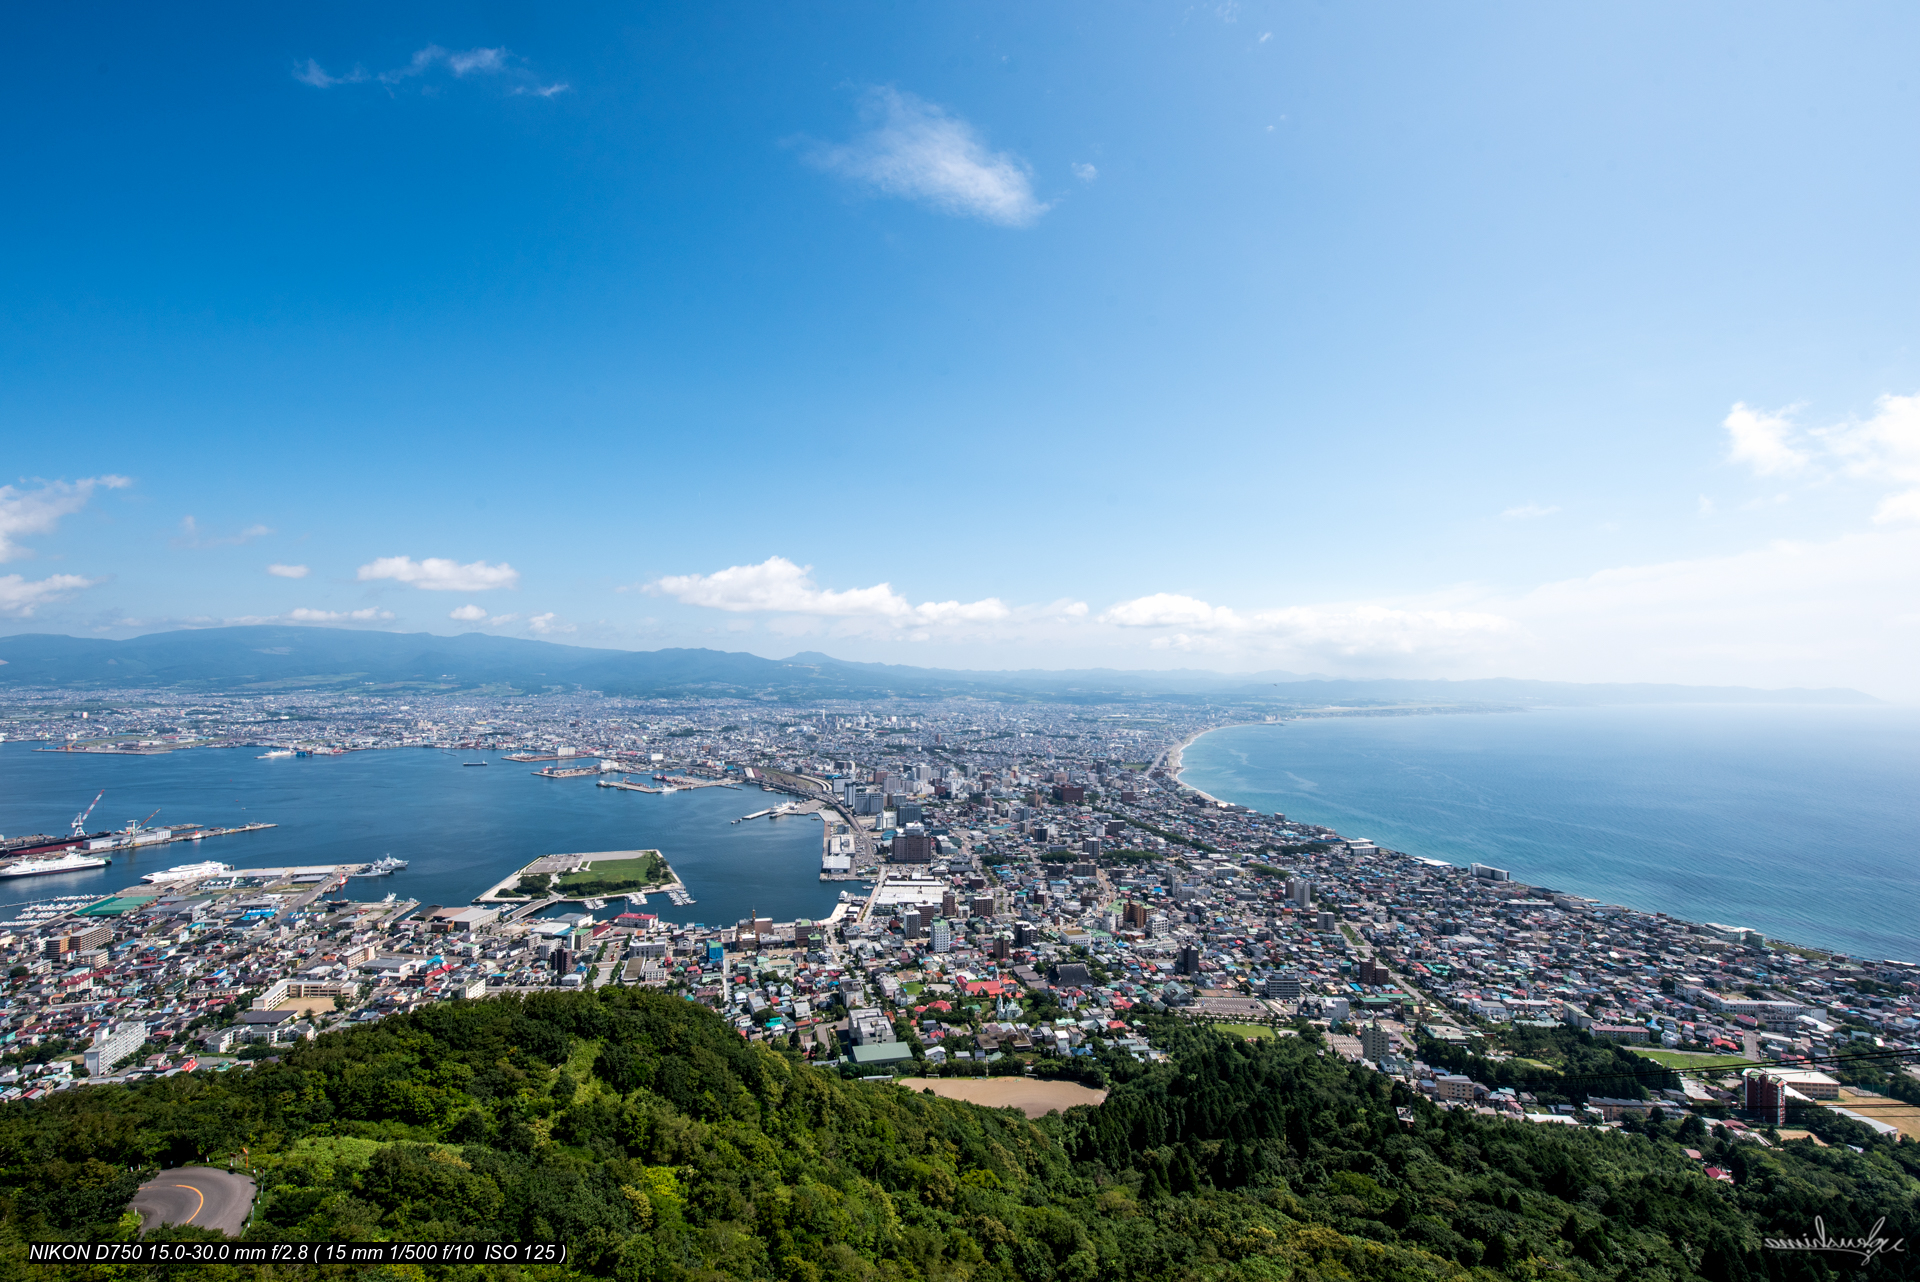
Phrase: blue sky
{"type": "Point", "coordinates": [1569, 341]}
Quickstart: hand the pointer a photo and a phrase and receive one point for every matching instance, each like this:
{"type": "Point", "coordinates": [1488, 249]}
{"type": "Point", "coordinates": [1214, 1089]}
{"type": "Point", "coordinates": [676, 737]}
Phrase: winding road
{"type": "Point", "coordinates": [203, 1196]}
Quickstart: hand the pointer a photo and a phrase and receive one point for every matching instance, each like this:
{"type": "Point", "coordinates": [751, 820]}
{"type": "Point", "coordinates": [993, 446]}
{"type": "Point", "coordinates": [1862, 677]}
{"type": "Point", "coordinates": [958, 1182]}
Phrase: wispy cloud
{"type": "Point", "coordinates": [38, 511]}
{"type": "Point", "coordinates": [191, 536]}
{"type": "Point", "coordinates": [778, 585]}
{"type": "Point", "coordinates": [434, 60]}
{"type": "Point", "coordinates": [1085, 173]}
{"type": "Point", "coordinates": [369, 615]}
{"type": "Point", "coordinates": [919, 151]}
{"type": "Point", "coordinates": [1528, 512]}
{"type": "Point", "coordinates": [288, 571]}
{"type": "Point", "coordinates": [20, 597]}
{"type": "Point", "coordinates": [1883, 449]}
{"type": "Point", "coordinates": [547, 624]}
{"type": "Point", "coordinates": [441, 574]}
{"type": "Point", "coordinates": [1353, 630]}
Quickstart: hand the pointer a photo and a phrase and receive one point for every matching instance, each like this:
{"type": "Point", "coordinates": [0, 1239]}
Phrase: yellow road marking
{"type": "Point", "coordinates": [197, 1193]}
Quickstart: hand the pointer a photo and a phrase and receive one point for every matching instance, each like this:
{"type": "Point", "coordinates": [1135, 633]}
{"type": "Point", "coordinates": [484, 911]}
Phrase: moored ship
{"type": "Point", "coordinates": [69, 862]}
{"type": "Point", "coordinates": [186, 872]}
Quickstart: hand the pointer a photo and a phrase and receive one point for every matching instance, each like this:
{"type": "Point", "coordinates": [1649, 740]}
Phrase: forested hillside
{"type": "Point", "coordinates": [645, 1134]}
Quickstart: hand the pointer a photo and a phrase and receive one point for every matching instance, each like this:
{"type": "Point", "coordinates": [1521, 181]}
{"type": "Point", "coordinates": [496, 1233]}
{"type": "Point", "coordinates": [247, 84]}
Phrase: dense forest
{"type": "Point", "coordinates": [644, 1133]}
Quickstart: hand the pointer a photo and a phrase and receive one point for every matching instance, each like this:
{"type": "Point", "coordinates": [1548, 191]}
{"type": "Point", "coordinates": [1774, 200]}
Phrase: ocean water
{"type": "Point", "coordinates": [1800, 822]}
{"type": "Point", "coordinates": [461, 829]}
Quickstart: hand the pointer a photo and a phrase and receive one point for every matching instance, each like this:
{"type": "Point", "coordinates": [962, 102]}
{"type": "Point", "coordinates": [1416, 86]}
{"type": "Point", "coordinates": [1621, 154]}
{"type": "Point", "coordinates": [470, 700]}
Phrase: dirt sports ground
{"type": "Point", "coordinates": [1035, 1099]}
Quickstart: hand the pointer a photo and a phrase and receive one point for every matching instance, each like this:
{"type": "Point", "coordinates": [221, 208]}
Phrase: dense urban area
{"type": "Point", "coordinates": [1030, 880]}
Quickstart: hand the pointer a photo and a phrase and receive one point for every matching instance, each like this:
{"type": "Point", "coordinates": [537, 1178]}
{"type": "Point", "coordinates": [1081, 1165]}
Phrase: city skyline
{"type": "Point", "coordinates": [1569, 346]}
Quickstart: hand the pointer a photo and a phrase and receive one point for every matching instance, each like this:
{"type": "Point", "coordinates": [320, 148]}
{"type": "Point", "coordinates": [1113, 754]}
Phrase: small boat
{"type": "Point", "coordinates": [384, 867]}
{"type": "Point", "coordinates": [595, 905]}
{"type": "Point", "coordinates": [475, 763]}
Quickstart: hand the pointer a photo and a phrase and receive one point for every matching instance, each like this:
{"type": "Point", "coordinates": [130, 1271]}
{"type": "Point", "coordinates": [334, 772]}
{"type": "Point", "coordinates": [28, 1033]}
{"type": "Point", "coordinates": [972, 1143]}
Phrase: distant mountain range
{"type": "Point", "coordinates": [267, 658]}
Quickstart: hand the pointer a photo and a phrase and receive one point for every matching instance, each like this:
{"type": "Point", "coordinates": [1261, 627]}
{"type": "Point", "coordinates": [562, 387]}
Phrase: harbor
{"type": "Point", "coordinates": [461, 829]}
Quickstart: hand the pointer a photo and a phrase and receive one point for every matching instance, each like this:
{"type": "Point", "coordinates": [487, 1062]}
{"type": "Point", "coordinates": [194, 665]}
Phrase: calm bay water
{"type": "Point", "coordinates": [462, 829]}
{"type": "Point", "coordinates": [1800, 822]}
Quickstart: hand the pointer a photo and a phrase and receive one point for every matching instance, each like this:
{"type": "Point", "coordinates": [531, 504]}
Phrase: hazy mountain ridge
{"type": "Point", "coordinates": [274, 657]}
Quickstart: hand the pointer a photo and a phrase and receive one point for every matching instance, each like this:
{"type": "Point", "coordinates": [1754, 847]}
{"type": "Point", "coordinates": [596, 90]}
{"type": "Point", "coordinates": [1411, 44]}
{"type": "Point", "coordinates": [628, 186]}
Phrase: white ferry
{"type": "Point", "coordinates": [277, 752]}
{"type": "Point", "coordinates": [187, 872]}
{"type": "Point", "coordinates": [60, 863]}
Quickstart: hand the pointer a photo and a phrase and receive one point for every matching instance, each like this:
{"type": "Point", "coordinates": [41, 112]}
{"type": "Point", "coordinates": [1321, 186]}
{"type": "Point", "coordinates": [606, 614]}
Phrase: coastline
{"type": "Point", "coordinates": [1632, 898]}
{"type": "Point", "coordinates": [1175, 762]}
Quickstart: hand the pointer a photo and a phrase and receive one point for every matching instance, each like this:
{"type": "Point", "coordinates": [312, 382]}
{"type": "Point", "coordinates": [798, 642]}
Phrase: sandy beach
{"type": "Point", "coordinates": [1175, 762]}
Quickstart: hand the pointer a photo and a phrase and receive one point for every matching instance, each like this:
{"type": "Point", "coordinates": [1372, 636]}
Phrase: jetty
{"type": "Point", "coordinates": [628, 785]}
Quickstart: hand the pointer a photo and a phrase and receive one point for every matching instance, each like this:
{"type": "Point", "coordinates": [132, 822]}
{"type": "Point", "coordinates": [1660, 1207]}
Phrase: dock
{"type": "Point", "coordinates": [628, 785]}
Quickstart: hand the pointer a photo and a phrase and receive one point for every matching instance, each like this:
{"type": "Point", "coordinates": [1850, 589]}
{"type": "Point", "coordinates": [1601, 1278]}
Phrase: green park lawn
{"type": "Point", "coordinates": [1691, 1059]}
{"type": "Point", "coordinates": [611, 876]}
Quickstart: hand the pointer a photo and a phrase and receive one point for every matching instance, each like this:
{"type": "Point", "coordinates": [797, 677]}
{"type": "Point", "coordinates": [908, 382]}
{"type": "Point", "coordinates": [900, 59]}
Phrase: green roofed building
{"type": "Point", "coordinates": [882, 1053]}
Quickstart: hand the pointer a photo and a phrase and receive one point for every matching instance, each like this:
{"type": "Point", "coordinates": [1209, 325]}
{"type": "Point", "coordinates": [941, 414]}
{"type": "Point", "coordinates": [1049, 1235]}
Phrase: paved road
{"type": "Point", "coordinates": [199, 1195]}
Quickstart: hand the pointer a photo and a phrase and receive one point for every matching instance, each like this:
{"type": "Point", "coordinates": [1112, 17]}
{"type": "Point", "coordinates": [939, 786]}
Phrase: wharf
{"type": "Point", "coordinates": [570, 772]}
{"type": "Point", "coordinates": [628, 785]}
{"type": "Point", "coordinates": [784, 808]}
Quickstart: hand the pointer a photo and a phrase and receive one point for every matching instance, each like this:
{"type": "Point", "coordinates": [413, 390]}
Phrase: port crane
{"type": "Point", "coordinates": [80, 820]}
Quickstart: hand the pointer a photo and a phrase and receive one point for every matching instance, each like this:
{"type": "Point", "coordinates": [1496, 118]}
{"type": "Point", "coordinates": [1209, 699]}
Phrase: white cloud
{"type": "Point", "coordinates": [1841, 612]}
{"type": "Point", "coordinates": [1706, 506]}
{"type": "Point", "coordinates": [459, 63]}
{"type": "Point", "coordinates": [1085, 173]}
{"type": "Point", "coordinates": [304, 615]}
{"type": "Point", "coordinates": [1527, 512]}
{"type": "Point", "coordinates": [38, 511]}
{"type": "Point", "coordinates": [1760, 441]}
{"type": "Point", "coordinates": [477, 60]}
{"type": "Point", "coordinates": [19, 597]}
{"type": "Point", "coordinates": [440, 574]}
{"type": "Point", "coordinates": [778, 585]}
{"type": "Point", "coordinates": [469, 613]}
{"type": "Point", "coordinates": [191, 537]}
{"type": "Point", "coordinates": [312, 73]}
{"type": "Point", "coordinates": [917, 151]}
{"type": "Point", "coordinates": [288, 571]}
{"type": "Point", "coordinates": [1884, 449]}
{"type": "Point", "coordinates": [1169, 610]}
{"type": "Point", "coordinates": [546, 624]}
{"type": "Point", "coordinates": [1344, 630]}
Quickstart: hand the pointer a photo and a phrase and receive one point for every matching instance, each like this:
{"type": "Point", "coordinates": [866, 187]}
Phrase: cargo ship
{"type": "Point", "coordinates": [69, 862]}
